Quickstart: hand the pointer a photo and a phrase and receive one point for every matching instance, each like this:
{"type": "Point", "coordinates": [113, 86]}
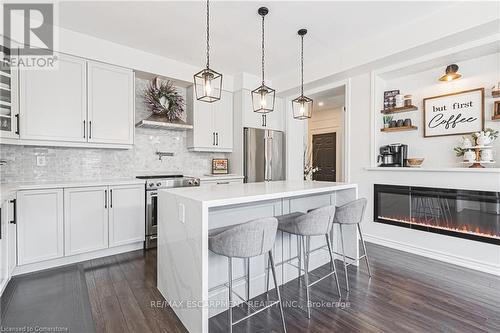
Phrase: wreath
{"type": "Point", "coordinates": [163, 99]}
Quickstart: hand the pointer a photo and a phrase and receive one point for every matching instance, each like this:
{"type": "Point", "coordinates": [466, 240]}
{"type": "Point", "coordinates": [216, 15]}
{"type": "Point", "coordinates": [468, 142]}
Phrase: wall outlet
{"type": "Point", "coordinates": [41, 160]}
{"type": "Point", "coordinates": [182, 213]}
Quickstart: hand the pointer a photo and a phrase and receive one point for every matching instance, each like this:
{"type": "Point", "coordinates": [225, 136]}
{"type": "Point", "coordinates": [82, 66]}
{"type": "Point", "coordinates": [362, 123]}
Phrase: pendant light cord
{"type": "Point", "coordinates": [302, 66]}
{"type": "Point", "coordinates": [208, 34]}
{"type": "Point", "coordinates": [263, 50]}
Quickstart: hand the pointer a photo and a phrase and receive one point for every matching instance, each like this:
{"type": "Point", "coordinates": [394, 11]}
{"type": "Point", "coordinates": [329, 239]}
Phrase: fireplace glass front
{"type": "Point", "coordinates": [461, 213]}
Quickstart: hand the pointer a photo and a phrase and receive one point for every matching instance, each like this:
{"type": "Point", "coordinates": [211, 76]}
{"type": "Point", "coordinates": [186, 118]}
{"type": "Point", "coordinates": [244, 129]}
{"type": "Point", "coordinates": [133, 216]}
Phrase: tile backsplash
{"type": "Point", "coordinates": [88, 163]}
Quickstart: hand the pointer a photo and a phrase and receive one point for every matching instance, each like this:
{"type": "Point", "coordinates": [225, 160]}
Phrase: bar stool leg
{"type": "Point", "coordinates": [306, 273]}
{"type": "Point", "coordinates": [343, 254]}
{"type": "Point", "coordinates": [271, 262]}
{"type": "Point", "coordinates": [299, 256]}
{"type": "Point", "coordinates": [334, 270]}
{"type": "Point", "coordinates": [230, 277]}
{"type": "Point", "coordinates": [247, 291]}
{"type": "Point", "coordinates": [364, 250]}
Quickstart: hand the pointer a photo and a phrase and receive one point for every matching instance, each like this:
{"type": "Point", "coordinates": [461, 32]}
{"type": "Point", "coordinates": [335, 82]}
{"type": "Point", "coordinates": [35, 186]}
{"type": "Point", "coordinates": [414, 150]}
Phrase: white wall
{"type": "Point", "coordinates": [328, 121]}
{"type": "Point", "coordinates": [438, 151]}
{"type": "Point", "coordinates": [472, 254]}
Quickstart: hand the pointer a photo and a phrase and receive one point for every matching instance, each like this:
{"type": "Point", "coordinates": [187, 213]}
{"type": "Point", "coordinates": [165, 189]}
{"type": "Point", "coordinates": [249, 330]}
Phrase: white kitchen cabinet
{"type": "Point", "coordinates": [110, 104]}
{"type": "Point", "coordinates": [53, 103]}
{"type": "Point", "coordinates": [126, 214]}
{"type": "Point", "coordinates": [85, 219]}
{"type": "Point", "coordinates": [7, 242]}
{"type": "Point", "coordinates": [274, 120]}
{"type": "Point", "coordinates": [213, 123]}
{"type": "Point", "coordinates": [9, 113]}
{"type": "Point", "coordinates": [40, 218]}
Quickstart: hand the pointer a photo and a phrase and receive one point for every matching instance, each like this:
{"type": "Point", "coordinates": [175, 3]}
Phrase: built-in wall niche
{"type": "Point", "coordinates": [479, 66]}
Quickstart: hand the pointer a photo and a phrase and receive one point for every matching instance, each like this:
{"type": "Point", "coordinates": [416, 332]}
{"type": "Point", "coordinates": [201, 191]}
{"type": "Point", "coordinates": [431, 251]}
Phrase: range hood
{"type": "Point", "coordinates": [159, 122]}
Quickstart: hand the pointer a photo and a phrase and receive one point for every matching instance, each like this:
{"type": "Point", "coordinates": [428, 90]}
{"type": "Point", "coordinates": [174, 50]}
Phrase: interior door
{"type": "Point", "coordinates": [53, 103]}
{"type": "Point", "coordinates": [254, 152]}
{"type": "Point", "coordinates": [111, 104]}
{"type": "Point", "coordinates": [85, 219]}
{"type": "Point", "coordinates": [325, 156]}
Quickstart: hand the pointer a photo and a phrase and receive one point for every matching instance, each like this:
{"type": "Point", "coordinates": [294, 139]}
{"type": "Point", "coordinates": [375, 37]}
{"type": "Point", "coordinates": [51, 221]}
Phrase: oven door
{"type": "Point", "coordinates": [151, 213]}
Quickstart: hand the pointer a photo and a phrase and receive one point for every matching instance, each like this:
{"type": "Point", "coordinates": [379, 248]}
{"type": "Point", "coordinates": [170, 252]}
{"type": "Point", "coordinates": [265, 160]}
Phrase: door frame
{"type": "Point", "coordinates": [346, 151]}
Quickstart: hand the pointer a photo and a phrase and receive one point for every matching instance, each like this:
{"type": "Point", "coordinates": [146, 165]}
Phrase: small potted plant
{"type": "Point", "coordinates": [387, 120]}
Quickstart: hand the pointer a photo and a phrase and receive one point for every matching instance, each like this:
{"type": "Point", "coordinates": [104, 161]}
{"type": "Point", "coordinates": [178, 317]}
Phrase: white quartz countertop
{"type": "Point", "coordinates": [230, 194]}
{"type": "Point", "coordinates": [8, 188]}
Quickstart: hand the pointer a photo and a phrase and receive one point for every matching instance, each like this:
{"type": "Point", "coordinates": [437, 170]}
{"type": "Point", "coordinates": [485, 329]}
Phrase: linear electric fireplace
{"type": "Point", "coordinates": [460, 213]}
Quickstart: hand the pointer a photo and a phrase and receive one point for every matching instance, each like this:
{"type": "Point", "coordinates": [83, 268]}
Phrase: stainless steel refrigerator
{"type": "Point", "coordinates": [264, 155]}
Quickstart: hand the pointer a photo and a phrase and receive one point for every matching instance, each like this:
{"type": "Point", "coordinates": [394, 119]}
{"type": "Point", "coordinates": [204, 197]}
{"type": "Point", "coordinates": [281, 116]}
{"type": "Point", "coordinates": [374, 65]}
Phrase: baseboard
{"type": "Point", "coordinates": [24, 269]}
{"type": "Point", "coordinates": [438, 255]}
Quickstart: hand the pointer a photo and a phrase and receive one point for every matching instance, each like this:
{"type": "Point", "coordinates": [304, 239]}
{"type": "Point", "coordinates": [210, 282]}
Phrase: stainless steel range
{"type": "Point", "coordinates": [153, 184]}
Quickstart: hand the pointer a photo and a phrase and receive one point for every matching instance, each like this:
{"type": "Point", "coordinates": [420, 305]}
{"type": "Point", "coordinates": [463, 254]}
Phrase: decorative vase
{"type": "Point", "coordinates": [469, 156]}
{"type": "Point", "coordinates": [482, 140]}
{"type": "Point", "coordinates": [486, 155]}
{"type": "Point", "coordinates": [386, 125]}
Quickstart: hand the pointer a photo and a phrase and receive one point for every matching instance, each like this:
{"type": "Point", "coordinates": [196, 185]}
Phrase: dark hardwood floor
{"type": "Point", "coordinates": [407, 293]}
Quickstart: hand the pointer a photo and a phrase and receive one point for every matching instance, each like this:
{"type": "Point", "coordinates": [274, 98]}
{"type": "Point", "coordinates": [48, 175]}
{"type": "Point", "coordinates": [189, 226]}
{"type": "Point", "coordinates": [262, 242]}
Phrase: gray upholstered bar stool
{"type": "Point", "coordinates": [349, 214]}
{"type": "Point", "coordinates": [246, 240]}
{"type": "Point", "coordinates": [317, 222]}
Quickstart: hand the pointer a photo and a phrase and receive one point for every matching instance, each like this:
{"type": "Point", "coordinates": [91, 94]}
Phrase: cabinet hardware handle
{"type": "Point", "coordinates": [213, 138]}
{"type": "Point", "coordinates": [222, 183]}
{"type": "Point", "coordinates": [90, 129]}
{"type": "Point", "coordinates": [110, 198]}
{"type": "Point", "coordinates": [105, 198]}
{"type": "Point", "coordinates": [17, 124]}
{"type": "Point", "coordinates": [14, 207]}
{"type": "Point", "coordinates": [217, 136]}
{"type": "Point", "coordinates": [84, 129]}
{"type": "Point", "coordinates": [264, 120]}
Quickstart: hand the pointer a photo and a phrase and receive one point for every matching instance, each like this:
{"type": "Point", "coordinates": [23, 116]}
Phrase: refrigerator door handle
{"type": "Point", "coordinates": [270, 158]}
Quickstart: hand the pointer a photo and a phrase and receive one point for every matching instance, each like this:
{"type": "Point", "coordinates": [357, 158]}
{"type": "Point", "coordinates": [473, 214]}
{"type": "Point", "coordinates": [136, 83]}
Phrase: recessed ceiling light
{"type": "Point", "coordinates": [321, 103]}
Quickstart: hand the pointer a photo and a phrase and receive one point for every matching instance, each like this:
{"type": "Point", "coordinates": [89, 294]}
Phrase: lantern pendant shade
{"type": "Point", "coordinates": [302, 107]}
{"type": "Point", "coordinates": [263, 96]}
{"type": "Point", "coordinates": [208, 85]}
{"type": "Point", "coordinates": [207, 82]}
{"type": "Point", "coordinates": [263, 99]}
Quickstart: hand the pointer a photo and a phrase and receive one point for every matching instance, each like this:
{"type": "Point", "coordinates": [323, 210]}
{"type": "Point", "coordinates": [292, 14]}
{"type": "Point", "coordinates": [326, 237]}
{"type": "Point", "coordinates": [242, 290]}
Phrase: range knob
{"type": "Point", "coordinates": [190, 182]}
{"type": "Point", "coordinates": [158, 184]}
{"type": "Point", "coordinates": [151, 184]}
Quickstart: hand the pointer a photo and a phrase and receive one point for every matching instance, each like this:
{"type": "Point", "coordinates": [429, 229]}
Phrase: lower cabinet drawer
{"type": "Point", "coordinates": [221, 181]}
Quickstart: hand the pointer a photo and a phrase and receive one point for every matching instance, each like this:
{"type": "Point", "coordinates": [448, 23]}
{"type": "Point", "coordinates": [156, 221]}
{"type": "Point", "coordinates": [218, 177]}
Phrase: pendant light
{"type": "Point", "coordinates": [207, 82]}
{"type": "Point", "coordinates": [302, 106]}
{"type": "Point", "coordinates": [263, 96]}
{"type": "Point", "coordinates": [451, 73]}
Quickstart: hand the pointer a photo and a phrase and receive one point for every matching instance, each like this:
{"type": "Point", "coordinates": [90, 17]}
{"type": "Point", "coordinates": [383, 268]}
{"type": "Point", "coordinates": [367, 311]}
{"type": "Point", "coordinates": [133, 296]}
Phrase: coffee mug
{"type": "Point", "coordinates": [393, 123]}
{"type": "Point", "coordinates": [407, 122]}
{"type": "Point", "coordinates": [400, 123]}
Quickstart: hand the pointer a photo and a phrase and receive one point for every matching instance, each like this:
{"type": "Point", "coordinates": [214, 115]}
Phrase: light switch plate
{"type": "Point", "coordinates": [182, 213]}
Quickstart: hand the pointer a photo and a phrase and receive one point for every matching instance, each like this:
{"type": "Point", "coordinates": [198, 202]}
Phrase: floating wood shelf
{"type": "Point", "coordinates": [399, 110]}
{"type": "Point", "coordinates": [399, 129]}
{"type": "Point", "coordinates": [496, 117]}
{"type": "Point", "coordinates": [495, 93]}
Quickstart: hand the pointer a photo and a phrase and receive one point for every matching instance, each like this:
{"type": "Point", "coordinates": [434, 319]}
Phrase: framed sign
{"type": "Point", "coordinates": [454, 114]}
{"type": "Point", "coordinates": [219, 166]}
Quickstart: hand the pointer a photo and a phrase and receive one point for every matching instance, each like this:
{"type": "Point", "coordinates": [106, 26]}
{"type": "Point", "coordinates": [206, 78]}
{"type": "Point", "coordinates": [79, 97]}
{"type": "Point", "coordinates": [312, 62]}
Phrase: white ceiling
{"type": "Point", "coordinates": [176, 29]}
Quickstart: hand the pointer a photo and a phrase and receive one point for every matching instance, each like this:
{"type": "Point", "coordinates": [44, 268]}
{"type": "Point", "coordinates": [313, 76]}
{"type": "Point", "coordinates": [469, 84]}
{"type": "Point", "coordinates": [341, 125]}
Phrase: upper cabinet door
{"type": "Point", "coordinates": [52, 103]}
{"type": "Point", "coordinates": [223, 121]}
{"type": "Point", "coordinates": [85, 219]}
{"type": "Point", "coordinates": [111, 104]}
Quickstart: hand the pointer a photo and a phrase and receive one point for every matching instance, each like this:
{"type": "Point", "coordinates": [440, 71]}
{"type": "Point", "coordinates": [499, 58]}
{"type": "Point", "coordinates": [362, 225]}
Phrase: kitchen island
{"type": "Point", "coordinates": [191, 278]}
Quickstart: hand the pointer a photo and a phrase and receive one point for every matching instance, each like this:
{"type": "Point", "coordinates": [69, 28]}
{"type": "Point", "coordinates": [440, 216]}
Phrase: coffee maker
{"type": "Point", "coordinates": [393, 155]}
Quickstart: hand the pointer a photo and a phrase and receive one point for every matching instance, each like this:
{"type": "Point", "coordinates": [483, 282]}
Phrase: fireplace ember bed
{"type": "Point", "coordinates": [467, 214]}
